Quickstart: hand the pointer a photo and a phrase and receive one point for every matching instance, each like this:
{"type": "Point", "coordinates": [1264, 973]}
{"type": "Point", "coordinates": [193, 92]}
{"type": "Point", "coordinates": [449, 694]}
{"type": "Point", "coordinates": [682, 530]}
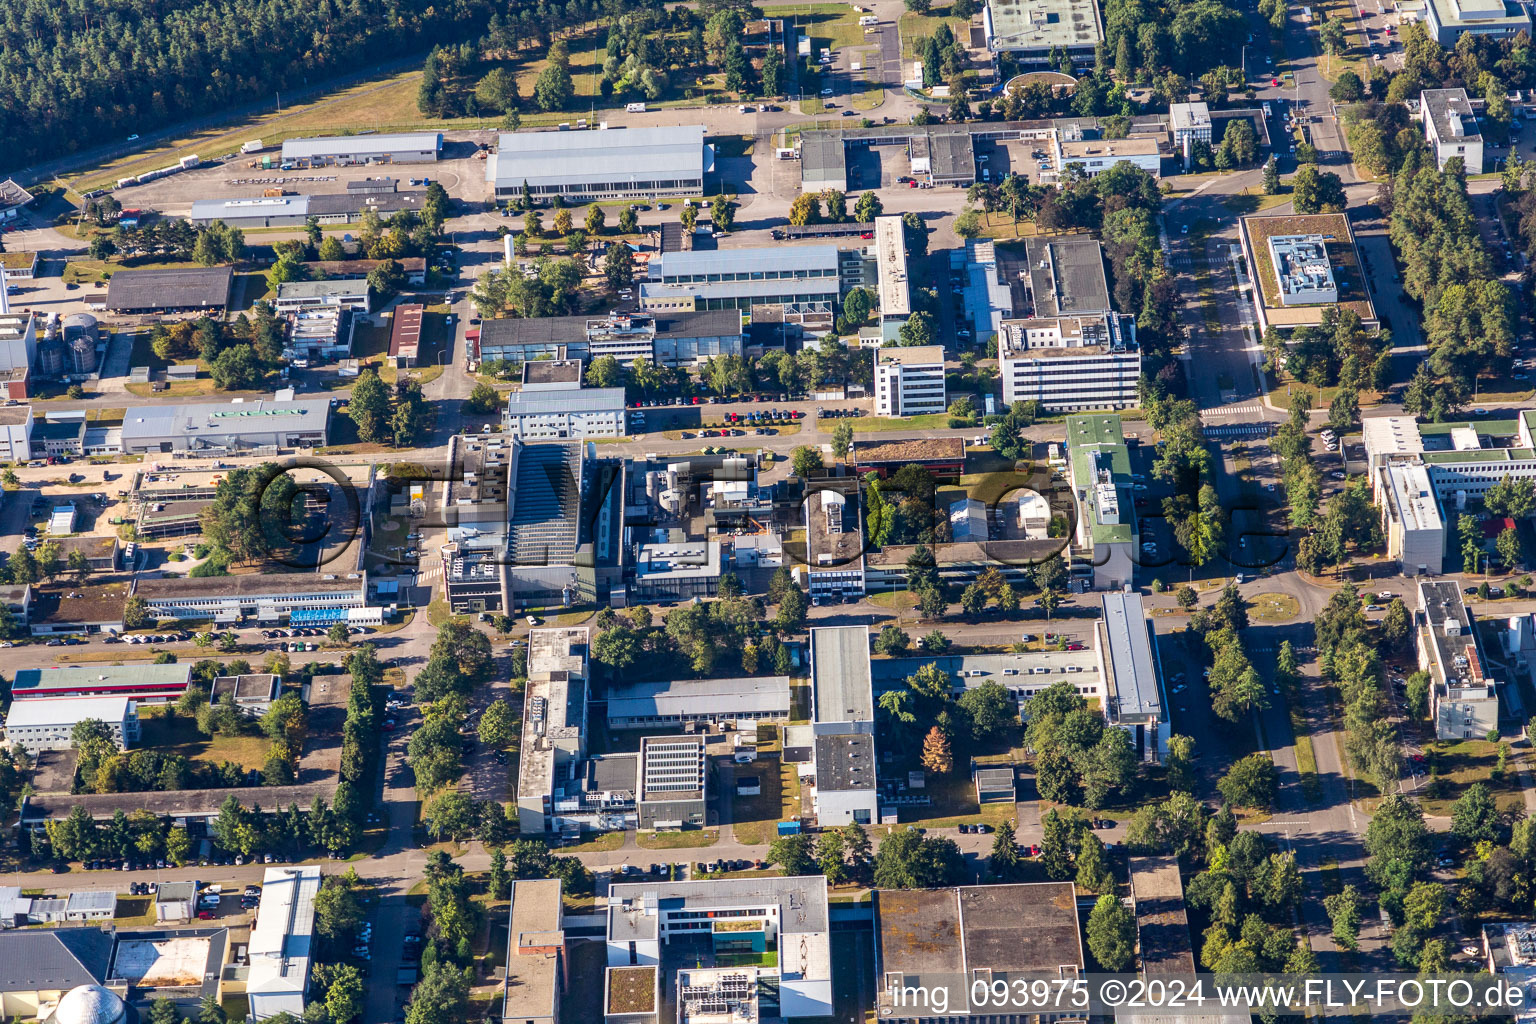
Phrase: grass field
{"type": "Point", "coordinates": [688, 840]}
{"type": "Point", "coordinates": [874, 424]}
{"type": "Point", "coordinates": [1463, 763]}
{"type": "Point", "coordinates": [912, 25]}
{"type": "Point", "coordinates": [179, 735]}
{"type": "Point", "coordinates": [755, 819]}
{"type": "Point", "coordinates": [1273, 608]}
{"type": "Point", "coordinates": [954, 801]}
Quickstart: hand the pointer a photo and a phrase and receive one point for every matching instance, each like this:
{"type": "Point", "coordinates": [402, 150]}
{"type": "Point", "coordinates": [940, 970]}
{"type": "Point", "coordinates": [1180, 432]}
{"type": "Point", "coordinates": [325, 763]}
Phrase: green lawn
{"type": "Point", "coordinates": [1463, 763]}
{"type": "Point", "coordinates": [912, 25]}
{"type": "Point", "coordinates": [175, 734]}
{"type": "Point", "coordinates": [1273, 608]}
{"type": "Point", "coordinates": [872, 424]}
{"type": "Point", "coordinates": [687, 840]}
{"type": "Point", "coordinates": [954, 801]}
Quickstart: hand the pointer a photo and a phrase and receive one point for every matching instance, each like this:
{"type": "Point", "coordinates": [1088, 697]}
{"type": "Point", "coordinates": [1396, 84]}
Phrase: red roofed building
{"type": "Point", "coordinates": [405, 335]}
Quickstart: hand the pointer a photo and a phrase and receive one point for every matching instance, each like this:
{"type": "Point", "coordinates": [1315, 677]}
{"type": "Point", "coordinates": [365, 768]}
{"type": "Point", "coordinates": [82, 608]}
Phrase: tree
{"type": "Point", "coordinates": [596, 220]}
{"type": "Point", "coordinates": [605, 372]}
{"type": "Point", "coordinates": [1006, 862]}
{"type": "Point", "coordinates": [937, 756]}
{"type": "Point", "coordinates": [1397, 842]}
{"type": "Point", "coordinates": [805, 461]}
{"type": "Point", "coordinates": [1055, 846]}
{"type": "Point", "coordinates": [990, 711]}
{"type": "Point", "coordinates": [343, 993]}
{"type": "Point", "coordinates": [1343, 909]}
{"type": "Point", "coordinates": [369, 407]}
{"type": "Point", "coordinates": [498, 724]}
{"type": "Point", "coordinates": [793, 854]}
{"type": "Point", "coordinates": [1508, 546]}
{"type": "Point", "coordinates": [1179, 764]}
{"type": "Point", "coordinates": [908, 860]}
{"type": "Point", "coordinates": [135, 613]}
{"type": "Point", "coordinates": [1187, 597]}
{"type": "Point", "coordinates": [1271, 177]}
{"type": "Point", "coordinates": [1331, 35]}
{"type": "Point", "coordinates": [791, 614]}
{"type": "Point", "coordinates": [1250, 782]}
{"type": "Point", "coordinates": [1347, 88]}
{"type": "Point", "coordinates": [210, 1011]}
{"type": "Point", "coordinates": [619, 266]}
{"type": "Point", "coordinates": [1092, 870]}
{"type": "Point", "coordinates": [857, 306]}
{"type": "Point", "coordinates": [722, 211]}
{"type": "Point", "coordinates": [338, 910]}
{"type": "Point", "coordinates": [1314, 191]}
{"type": "Point", "coordinates": [1417, 694]}
{"type": "Point", "coordinates": [1111, 933]}
{"type": "Point", "coordinates": [806, 209]}
{"type": "Point", "coordinates": [1474, 818]}
{"type": "Point", "coordinates": [553, 89]}
{"type": "Point", "coordinates": [867, 208]}
{"type": "Point", "coordinates": [892, 640]}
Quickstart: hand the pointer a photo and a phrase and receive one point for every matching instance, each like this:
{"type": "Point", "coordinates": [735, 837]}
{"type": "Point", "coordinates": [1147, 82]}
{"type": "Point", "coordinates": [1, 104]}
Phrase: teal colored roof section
{"type": "Point", "coordinates": [1097, 441]}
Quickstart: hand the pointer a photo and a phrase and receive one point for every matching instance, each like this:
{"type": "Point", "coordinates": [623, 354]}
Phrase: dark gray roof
{"type": "Point", "coordinates": [845, 763]}
{"type": "Point", "coordinates": [12, 194]}
{"type": "Point", "coordinates": [38, 959]}
{"type": "Point", "coordinates": [170, 288]}
{"type": "Point", "coordinates": [57, 430]}
{"type": "Point", "coordinates": [546, 504]}
{"type": "Point", "coordinates": [1066, 274]}
{"type": "Point", "coordinates": [1451, 112]}
{"type": "Point", "coordinates": [552, 371]}
{"type": "Point", "coordinates": [953, 156]}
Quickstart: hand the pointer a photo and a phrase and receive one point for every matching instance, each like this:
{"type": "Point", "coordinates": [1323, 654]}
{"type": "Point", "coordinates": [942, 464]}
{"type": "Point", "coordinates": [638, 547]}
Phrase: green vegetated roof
{"type": "Point", "coordinates": [1101, 435]}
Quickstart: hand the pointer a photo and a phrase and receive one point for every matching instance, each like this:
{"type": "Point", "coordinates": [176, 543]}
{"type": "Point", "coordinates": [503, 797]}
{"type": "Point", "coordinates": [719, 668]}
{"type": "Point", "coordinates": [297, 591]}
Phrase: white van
{"type": "Point", "coordinates": [634, 108]}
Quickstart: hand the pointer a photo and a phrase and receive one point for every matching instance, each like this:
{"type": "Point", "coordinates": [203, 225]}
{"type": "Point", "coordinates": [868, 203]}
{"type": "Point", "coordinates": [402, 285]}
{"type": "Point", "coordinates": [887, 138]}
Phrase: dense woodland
{"type": "Point", "coordinates": [73, 74]}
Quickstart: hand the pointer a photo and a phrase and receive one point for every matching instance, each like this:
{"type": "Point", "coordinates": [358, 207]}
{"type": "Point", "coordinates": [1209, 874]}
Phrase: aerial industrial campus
{"type": "Point", "coordinates": [727, 512]}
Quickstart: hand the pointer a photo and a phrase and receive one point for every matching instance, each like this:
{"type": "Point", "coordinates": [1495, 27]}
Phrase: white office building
{"type": "Point", "coordinates": [834, 538]}
{"type": "Point", "coordinates": [730, 916]}
{"type": "Point", "coordinates": [1099, 470]}
{"type": "Point", "coordinates": [1463, 697]}
{"type": "Point", "coordinates": [1451, 127]}
{"type": "Point", "coordinates": [1191, 123]}
{"type": "Point", "coordinates": [1093, 157]}
{"type": "Point", "coordinates": [1070, 364]}
{"type": "Point", "coordinates": [15, 433]}
{"type": "Point", "coordinates": [47, 723]}
{"type": "Point", "coordinates": [909, 381]}
{"type": "Point", "coordinates": [842, 766]}
{"type": "Point", "coordinates": [553, 406]}
{"type": "Point", "coordinates": [1411, 518]}
{"type": "Point", "coordinates": [1449, 20]}
{"type": "Point", "coordinates": [296, 296]}
{"type": "Point", "coordinates": [346, 150]}
{"type": "Point", "coordinates": [280, 945]}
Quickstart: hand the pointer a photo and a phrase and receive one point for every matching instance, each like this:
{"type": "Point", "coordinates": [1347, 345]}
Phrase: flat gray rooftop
{"type": "Point", "coordinates": [1132, 683]}
{"type": "Point", "coordinates": [1066, 276]}
{"type": "Point", "coordinates": [840, 674]}
{"type": "Point", "coordinates": [845, 763]}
